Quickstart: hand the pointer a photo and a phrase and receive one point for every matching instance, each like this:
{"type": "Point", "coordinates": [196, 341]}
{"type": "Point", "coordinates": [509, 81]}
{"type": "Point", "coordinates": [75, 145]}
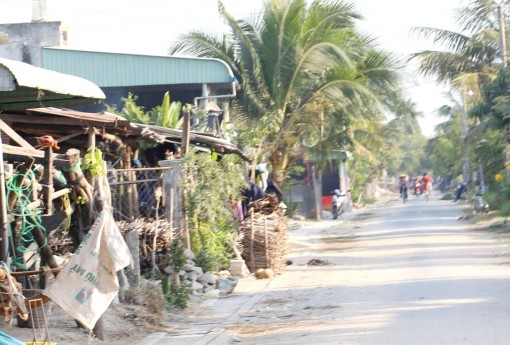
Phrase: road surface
{"type": "Point", "coordinates": [394, 274]}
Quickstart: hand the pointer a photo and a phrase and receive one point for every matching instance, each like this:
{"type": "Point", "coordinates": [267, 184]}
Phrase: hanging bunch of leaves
{"type": "Point", "coordinates": [93, 161]}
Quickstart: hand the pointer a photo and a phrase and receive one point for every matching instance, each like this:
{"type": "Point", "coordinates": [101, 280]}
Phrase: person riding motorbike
{"type": "Point", "coordinates": [460, 191]}
{"type": "Point", "coordinates": [426, 185]}
{"type": "Point", "coordinates": [338, 203]}
{"type": "Point", "coordinates": [417, 186]}
{"type": "Point", "coordinates": [403, 187]}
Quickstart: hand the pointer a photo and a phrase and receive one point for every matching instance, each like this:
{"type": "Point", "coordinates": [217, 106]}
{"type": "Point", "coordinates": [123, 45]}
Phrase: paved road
{"type": "Point", "coordinates": [396, 274]}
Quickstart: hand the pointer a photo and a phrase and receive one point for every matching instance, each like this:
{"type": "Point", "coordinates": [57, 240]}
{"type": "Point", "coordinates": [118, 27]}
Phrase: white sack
{"type": "Point", "coordinates": [88, 283]}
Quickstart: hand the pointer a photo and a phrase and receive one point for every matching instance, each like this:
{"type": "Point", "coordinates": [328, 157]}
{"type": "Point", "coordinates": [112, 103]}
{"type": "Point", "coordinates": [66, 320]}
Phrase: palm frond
{"type": "Point", "coordinates": [444, 66]}
{"type": "Point", "coordinates": [454, 42]}
{"type": "Point", "coordinates": [478, 15]}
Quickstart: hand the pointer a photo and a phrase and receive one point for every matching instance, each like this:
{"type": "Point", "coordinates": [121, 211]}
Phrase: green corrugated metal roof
{"type": "Point", "coordinates": [117, 69]}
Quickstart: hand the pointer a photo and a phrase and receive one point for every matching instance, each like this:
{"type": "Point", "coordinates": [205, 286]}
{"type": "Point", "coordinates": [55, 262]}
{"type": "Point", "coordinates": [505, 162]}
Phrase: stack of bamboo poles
{"type": "Point", "coordinates": [154, 238]}
{"type": "Point", "coordinates": [264, 236]}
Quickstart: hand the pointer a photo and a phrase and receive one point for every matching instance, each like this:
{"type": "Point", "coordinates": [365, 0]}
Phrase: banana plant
{"type": "Point", "coordinates": [167, 114]}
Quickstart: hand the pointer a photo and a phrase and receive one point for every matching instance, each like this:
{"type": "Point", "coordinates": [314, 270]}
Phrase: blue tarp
{"type": "Point", "coordinates": [8, 340]}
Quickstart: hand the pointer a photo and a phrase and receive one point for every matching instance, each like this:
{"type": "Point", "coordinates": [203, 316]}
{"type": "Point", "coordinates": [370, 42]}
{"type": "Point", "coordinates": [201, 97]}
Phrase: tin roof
{"type": "Point", "coordinates": [198, 139]}
{"type": "Point", "coordinates": [107, 69]}
{"type": "Point", "coordinates": [23, 86]}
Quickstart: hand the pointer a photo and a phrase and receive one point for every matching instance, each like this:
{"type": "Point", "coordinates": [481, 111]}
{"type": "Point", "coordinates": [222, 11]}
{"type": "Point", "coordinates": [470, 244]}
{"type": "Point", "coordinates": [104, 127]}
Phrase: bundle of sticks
{"type": "Point", "coordinates": [155, 235]}
{"type": "Point", "coordinates": [267, 205]}
{"type": "Point", "coordinates": [264, 237]}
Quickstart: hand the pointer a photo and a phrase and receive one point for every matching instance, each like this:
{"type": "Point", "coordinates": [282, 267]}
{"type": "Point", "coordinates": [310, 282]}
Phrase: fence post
{"type": "Point", "coordinates": [171, 185]}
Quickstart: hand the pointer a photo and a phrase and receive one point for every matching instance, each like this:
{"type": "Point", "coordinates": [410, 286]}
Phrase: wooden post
{"type": "Point", "coordinates": [4, 253]}
{"type": "Point", "coordinates": [185, 133]}
{"type": "Point", "coordinates": [252, 244]}
{"type": "Point", "coordinates": [129, 187]}
{"type": "Point", "coordinates": [184, 170]}
{"type": "Point", "coordinates": [266, 245]}
{"type": "Point", "coordinates": [48, 181]}
{"type": "Point", "coordinates": [171, 220]}
{"type": "Point", "coordinates": [92, 131]}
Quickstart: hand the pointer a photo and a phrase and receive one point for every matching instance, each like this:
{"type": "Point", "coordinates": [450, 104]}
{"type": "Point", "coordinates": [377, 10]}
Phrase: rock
{"type": "Point", "coordinates": [207, 279]}
{"type": "Point", "coordinates": [227, 285]}
{"type": "Point", "coordinates": [188, 267]}
{"type": "Point", "coordinates": [262, 273]}
{"type": "Point", "coordinates": [318, 262]}
{"type": "Point", "coordinates": [189, 254]}
{"type": "Point", "coordinates": [196, 286]}
{"type": "Point", "coordinates": [199, 270]}
{"type": "Point", "coordinates": [212, 294]}
{"type": "Point", "coordinates": [208, 288]}
{"type": "Point", "coordinates": [192, 275]}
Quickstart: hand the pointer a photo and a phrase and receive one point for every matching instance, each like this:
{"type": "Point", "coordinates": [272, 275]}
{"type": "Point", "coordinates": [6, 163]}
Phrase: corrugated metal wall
{"type": "Point", "coordinates": [117, 70]}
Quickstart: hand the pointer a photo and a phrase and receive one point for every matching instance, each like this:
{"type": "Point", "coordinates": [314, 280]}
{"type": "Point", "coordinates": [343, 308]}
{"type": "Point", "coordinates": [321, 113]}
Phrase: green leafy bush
{"type": "Point", "coordinates": [210, 182]}
{"type": "Point", "coordinates": [175, 295]}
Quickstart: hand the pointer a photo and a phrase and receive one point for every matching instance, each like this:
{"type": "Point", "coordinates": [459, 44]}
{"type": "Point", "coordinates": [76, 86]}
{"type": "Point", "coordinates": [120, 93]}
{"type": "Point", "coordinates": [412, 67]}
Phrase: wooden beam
{"type": "Point", "coordinates": [21, 151]}
{"type": "Point", "coordinates": [14, 136]}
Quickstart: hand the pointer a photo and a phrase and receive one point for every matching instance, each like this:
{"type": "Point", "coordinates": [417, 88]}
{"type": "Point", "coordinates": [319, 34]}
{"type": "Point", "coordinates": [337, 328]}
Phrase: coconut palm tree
{"type": "Point", "coordinates": [469, 55]}
{"type": "Point", "coordinates": [467, 61]}
{"type": "Point", "coordinates": [303, 70]}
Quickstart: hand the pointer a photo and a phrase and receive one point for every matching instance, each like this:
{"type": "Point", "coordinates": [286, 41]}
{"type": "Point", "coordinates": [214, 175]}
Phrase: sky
{"type": "Point", "coordinates": [151, 26]}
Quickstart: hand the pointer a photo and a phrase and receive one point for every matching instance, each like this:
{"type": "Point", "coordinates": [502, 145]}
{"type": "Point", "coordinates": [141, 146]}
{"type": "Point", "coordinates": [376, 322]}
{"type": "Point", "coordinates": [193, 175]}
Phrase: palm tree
{"type": "Point", "coordinates": [303, 70]}
{"type": "Point", "coordinates": [468, 56]}
{"type": "Point", "coordinates": [467, 61]}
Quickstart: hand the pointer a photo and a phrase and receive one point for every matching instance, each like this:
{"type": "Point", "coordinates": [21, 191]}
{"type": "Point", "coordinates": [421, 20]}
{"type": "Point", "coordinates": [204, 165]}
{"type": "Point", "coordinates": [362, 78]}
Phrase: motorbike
{"type": "Point", "coordinates": [403, 193]}
{"type": "Point", "coordinates": [338, 203]}
{"type": "Point", "coordinates": [417, 188]}
{"type": "Point", "coordinates": [480, 206]}
{"type": "Point", "coordinates": [460, 191]}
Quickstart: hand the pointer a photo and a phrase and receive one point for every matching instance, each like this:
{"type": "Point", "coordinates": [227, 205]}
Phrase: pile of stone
{"type": "Point", "coordinates": [202, 282]}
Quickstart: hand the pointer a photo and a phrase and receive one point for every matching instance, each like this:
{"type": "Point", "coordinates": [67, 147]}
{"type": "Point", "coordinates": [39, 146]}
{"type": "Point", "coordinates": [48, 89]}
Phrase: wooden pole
{"type": "Point", "coordinates": [185, 133]}
{"type": "Point", "coordinates": [129, 187]}
{"type": "Point", "coordinates": [184, 170]}
{"type": "Point", "coordinates": [171, 215]}
{"type": "Point", "coordinates": [4, 252]}
{"type": "Point", "coordinates": [252, 240]}
{"type": "Point", "coordinates": [92, 144]}
{"type": "Point", "coordinates": [266, 245]}
{"type": "Point", "coordinates": [48, 181]}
